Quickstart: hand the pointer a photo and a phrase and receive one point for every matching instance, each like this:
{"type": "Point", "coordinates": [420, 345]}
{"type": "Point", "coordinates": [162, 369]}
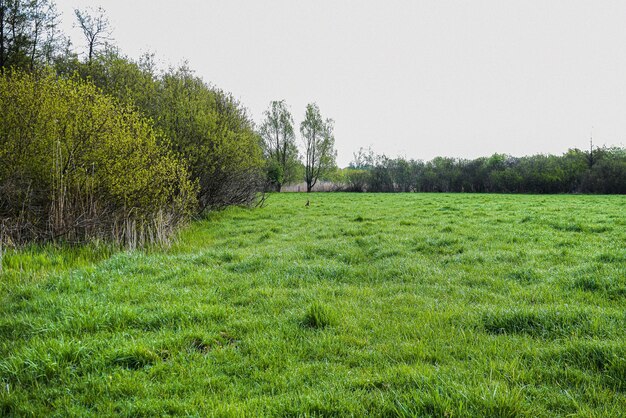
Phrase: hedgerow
{"type": "Point", "coordinates": [77, 165]}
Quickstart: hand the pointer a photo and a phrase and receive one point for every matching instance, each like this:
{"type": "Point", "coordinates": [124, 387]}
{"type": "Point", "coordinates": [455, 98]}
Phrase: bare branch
{"type": "Point", "coordinates": [96, 29]}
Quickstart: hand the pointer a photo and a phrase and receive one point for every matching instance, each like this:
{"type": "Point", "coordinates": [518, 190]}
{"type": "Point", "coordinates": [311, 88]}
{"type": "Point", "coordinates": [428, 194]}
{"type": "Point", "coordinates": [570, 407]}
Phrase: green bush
{"type": "Point", "coordinates": [205, 126]}
{"type": "Point", "coordinates": [78, 165]}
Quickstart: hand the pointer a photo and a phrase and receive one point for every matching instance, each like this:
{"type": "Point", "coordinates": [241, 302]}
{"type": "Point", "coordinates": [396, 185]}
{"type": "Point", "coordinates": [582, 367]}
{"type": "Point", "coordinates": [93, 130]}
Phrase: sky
{"type": "Point", "coordinates": [415, 79]}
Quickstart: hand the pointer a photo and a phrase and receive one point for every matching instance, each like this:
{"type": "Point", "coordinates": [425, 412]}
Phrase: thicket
{"type": "Point", "coordinates": [206, 126]}
{"type": "Point", "coordinates": [109, 148]}
{"type": "Point", "coordinates": [78, 165]}
{"type": "Point", "coordinates": [599, 170]}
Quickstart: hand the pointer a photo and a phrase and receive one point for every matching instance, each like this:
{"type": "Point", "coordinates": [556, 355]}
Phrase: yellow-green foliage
{"type": "Point", "coordinates": [214, 134]}
{"type": "Point", "coordinates": [77, 164]}
{"type": "Point", "coordinates": [205, 126]}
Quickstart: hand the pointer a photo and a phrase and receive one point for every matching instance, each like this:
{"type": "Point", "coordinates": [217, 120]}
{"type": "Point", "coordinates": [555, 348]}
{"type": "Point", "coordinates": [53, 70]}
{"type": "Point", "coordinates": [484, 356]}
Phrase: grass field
{"type": "Point", "coordinates": [381, 305]}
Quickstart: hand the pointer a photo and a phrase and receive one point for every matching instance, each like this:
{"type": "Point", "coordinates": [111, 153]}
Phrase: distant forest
{"type": "Point", "coordinates": [597, 170]}
{"type": "Point", "coordinates": [97, 146]}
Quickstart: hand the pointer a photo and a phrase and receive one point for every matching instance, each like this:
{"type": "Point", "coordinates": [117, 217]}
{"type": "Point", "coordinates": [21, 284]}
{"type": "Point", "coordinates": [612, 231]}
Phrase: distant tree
{"type": "Point", "coordinates": [590, 156]}
{"type": "Point", "coordinates": [14, 33]}
{"type": "Point", "coordinates": [279, 143]}
{"type": "Point", "coordinates": [364, 158]}
{"type": "Point", "coordinates": [574, 165]}
{"type": "Point", "coordinates": [356, 176]}
{"type": "Point", "coordinates": [608, 174]}
{"type": "Point", "coordinates": [28, 33]}
{"type": "Point", "coordinates": [45, 38]}
{"type": "Point", "coordinates": [96, 29]}
{"type": "Point", "coordinates": [319, 143]}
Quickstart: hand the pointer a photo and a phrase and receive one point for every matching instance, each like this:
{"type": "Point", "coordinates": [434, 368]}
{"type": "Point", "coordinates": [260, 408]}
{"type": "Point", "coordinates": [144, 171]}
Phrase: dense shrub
{"type": "Point", "coordinates": [215, 135]}
{"type": "Point", "coordinates": [77, 165]}
{"type": "Point", "coordinates": [204, 125]}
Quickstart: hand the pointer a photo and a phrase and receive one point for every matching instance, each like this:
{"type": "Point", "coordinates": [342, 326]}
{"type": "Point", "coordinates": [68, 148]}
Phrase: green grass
{"type": "Point", "coordinates": [381, 305]}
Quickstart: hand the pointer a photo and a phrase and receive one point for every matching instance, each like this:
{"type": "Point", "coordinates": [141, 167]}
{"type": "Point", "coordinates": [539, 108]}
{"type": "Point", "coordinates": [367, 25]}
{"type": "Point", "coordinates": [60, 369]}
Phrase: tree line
{"type": "Point", "coordinates": [599, 170]}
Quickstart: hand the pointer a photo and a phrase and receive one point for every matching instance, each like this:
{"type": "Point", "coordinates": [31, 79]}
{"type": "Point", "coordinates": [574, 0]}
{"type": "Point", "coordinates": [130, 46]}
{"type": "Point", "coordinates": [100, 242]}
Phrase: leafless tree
{"type": "Point", "coordinates": [96, 29]}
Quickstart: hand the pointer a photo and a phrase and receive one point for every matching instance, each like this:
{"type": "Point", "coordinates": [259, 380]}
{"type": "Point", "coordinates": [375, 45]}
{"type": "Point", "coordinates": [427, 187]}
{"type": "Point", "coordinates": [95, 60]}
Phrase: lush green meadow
{"type": "Point", "coordinates": [361, 304]}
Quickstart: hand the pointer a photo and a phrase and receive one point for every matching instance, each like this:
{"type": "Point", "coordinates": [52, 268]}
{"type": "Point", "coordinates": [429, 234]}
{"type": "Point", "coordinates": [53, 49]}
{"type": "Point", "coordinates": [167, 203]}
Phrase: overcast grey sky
{"type": "Point", "coordinates": [410, 78]}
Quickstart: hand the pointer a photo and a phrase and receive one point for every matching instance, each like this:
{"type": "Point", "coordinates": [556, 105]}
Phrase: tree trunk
{"type": "Point", "coordinates": [2, 52]}
{"type": "Point", "coordinates": [34, 48]}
